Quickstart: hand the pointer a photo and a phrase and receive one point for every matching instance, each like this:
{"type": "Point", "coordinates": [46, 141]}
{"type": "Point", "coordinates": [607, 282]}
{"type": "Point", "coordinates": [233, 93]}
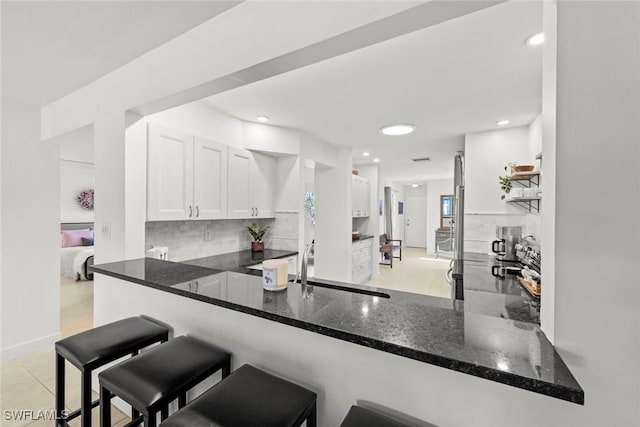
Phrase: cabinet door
{"type": "Point", "coordinates": [169, 174]}
{"type": "Point", "coordinates": [263, 185]}
{"type": "Point", "coordinates": [366, 197]}
{"type": "Point", "coordinates": [355, 196]}
{"type": "Point", "coordinates": [240, 165]}
{"type": "Point", "coordinates": [210, 179]}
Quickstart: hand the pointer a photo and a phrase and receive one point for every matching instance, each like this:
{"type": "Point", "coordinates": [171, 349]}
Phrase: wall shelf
{"type": "Point", "coordinates": [526, 179]}
{"type": "Point", "coordinates": [530, 203]}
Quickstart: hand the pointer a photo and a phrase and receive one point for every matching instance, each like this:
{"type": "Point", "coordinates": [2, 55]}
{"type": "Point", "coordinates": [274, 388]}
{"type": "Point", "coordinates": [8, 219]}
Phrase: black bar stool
{"type": "Point", "coordinates": [249, 398]}
{"type": "Point", "coordinates": [362, 417]}
{"type": "Point", "coordinates": [152, 380]}
{"type": "Point", "coordinates": [96, 347]}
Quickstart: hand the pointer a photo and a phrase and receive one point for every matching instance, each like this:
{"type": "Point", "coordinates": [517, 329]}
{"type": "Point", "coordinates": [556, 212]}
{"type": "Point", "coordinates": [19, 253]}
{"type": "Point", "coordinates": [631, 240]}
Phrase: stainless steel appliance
{"type": "Point", "coordinates": [457, 290]}
{"type": "Point", "coordinates": [505, 245]}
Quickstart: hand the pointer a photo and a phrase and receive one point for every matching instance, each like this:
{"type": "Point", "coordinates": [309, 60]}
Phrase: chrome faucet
{"type": "Point", "coordinates": [307, 290]}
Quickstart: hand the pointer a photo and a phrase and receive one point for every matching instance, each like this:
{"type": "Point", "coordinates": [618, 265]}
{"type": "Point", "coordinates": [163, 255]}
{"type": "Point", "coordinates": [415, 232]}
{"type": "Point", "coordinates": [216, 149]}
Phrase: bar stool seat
{"type": "Point", "coordinates": [362, 417]}
{"type": "Point", "coordinates": [96, 347]}
{"type": "Point", "coordinates": [150, 381]}
{"type": "Point", "coordinates": [249, 398]}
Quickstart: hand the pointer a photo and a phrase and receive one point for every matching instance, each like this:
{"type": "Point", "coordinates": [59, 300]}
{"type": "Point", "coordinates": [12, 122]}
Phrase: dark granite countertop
{"type": "Point", "coordinates": [428, 329]}
{"type": "Point", "coordinates": [365, 237]}
{"type": "Point", "coordinates": [494, 296]}
{"type": "Point", "coordinates": [239, 261]}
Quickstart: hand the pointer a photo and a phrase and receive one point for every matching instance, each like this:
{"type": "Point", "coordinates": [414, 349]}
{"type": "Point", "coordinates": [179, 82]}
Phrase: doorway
{"type": "Point", "coordinates": [415, 221]}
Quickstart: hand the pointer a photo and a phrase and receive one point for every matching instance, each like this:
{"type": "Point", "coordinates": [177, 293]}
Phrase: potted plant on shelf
{"type": "Point", "coordinates": [257, 232]}
{"type": "Point", "coordinates": [505, 181]}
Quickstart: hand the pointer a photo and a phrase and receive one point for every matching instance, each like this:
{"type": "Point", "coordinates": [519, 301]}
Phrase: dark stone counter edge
{"type": "Point", "coordinates": [530, 384]}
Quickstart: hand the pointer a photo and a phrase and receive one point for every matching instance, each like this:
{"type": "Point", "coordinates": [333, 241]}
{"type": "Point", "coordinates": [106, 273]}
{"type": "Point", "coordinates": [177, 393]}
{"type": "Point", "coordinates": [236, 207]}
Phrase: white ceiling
{"type": "Point", "coordinates": [450, 79]}
{"type": "Point", "coordinates": [51, 48]}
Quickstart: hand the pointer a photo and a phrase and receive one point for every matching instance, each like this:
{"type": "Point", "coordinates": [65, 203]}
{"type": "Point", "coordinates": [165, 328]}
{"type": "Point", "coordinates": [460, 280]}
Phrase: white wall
{"type": "Point", "coordinates": [75, 177]}
{"type": "Point", "coordinates": [548, 165]}
{"type": "Point", "coordinates": [76, 173]}
{"type": "Point", "coordinates": [267, 138]}
{"type": "Point", "coordinates": [199, 119]}
{"type": "Point", "coordinates": [486, 154]}
{"type": "Point", "coordinates": [333, 219]}
{"type": "Point", "coordinates": [597, 331]}
{"type": "Point", "coordinates": [435, 189]}
{"type": "Point", "coordinates": [30, 267]}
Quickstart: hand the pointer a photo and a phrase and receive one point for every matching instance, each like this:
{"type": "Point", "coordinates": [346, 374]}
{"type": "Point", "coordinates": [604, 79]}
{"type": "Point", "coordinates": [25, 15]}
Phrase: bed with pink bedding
{"type": "Point", "coordinates": [76, 252]}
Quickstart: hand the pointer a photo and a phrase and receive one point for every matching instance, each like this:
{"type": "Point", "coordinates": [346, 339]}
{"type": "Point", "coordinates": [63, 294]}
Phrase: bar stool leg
{"type": "Point", "coordinates": [150, 420]}
{"type": "Point", "coordinates": [182, 400]}
{"type": "Point", "coordinates": [312, 418]}
{"type": "Point", "coordinates": [226, 369]}
{"type": "Point", "coordinates": [105, 407]}
{"type": "Point", "coordinates": [59, 389]}
{"type": "Point", "coordinates": [85, 398]}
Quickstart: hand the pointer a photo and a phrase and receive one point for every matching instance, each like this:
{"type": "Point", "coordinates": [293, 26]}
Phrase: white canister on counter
{"type": "Point", "coordinates": [275, 273]}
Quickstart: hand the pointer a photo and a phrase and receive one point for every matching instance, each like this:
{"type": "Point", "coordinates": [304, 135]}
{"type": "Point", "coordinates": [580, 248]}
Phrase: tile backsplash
{"type": "Point", "coordinates": [186, 239]}
{"type": "Point", "coordinates": [480, 228]}
{"type": "Point", "coordinates": [284, 234]}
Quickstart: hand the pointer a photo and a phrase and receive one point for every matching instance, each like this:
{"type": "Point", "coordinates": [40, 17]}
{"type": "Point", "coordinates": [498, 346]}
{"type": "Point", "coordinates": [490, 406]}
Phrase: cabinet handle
{"type": "Point", "coordinates": [190, 211]}
{"type": "Point", "coordinates": [257, 211]}
{"type": "Point", "coordinates": [252, 211]}
{"type": "Point", "coordinates": [197, 211]}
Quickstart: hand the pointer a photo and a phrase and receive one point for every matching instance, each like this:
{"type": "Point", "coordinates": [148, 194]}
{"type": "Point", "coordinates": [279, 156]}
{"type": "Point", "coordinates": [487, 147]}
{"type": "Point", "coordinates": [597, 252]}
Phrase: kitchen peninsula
{"type": "Point", "coordinates": [327, 334]}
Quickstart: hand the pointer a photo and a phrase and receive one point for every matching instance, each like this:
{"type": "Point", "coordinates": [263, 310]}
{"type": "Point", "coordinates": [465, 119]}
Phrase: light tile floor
{"type": "Point", "coordinates": [28, 383]}
{"type": "Point", "coordinates": [418, 273]}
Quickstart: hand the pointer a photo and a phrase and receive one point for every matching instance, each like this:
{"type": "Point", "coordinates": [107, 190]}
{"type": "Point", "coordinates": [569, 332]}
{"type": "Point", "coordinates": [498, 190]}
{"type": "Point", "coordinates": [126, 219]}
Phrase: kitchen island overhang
{"type": "Point", "coordinates": [422, 328]}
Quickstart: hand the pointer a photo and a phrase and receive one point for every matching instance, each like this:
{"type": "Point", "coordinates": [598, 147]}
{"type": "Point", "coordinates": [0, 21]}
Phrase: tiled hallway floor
{"type": "Point", "coordinates": [417, 273]}
{"type": "Point", "coordinates": [28, 383]}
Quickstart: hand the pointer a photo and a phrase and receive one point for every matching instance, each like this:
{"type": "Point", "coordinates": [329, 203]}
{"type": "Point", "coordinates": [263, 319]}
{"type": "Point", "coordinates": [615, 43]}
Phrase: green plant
{"type": "Point", "coordinates": [505, 181]}
{"type": "Point", "coordinates": [257, 232]}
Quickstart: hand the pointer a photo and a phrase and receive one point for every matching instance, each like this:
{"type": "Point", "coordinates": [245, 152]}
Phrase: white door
{"type": "Point", "coordinates": [210, 179]}
{"type": "Point", "coordinates": [169, 174]}
{"type": "Point", "coordinates": [415, 219]}
{"type": "Point", "coordinates": [262, 184]}
{"type": "Point", "coordinates": [238, 185]}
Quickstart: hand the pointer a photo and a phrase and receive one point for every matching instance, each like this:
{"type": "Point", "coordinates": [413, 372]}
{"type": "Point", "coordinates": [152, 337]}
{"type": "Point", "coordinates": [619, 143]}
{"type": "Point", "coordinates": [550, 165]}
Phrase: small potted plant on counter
{"type": "Point", "coordinates": [257, 232]}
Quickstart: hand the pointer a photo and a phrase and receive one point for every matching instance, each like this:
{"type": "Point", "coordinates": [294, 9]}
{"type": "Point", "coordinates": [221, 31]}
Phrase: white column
{"type": "Point", "coordinates": [110, 202]}
{"type": "Point", "coordinates": [548, 167]}
{"type": "Point", "coordinates": [597, 289]}
{"type": "Point", "coordinates": [333, 219]}
{"type": "Point", "coordinates": [30, 229]}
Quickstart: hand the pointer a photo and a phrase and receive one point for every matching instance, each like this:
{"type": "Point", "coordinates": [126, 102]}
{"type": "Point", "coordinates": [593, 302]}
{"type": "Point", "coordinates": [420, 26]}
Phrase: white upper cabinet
{"type": "Point", "coordinates": [252, 183]}
{"type": "Point", "coordinates": [238, 189]}
{"type": "Point", "coordinates": [210, 179]}
{"type": "Point", "coordinates": [263, 185]}
{"type": "Point", "coordinates": [186, 176]}
{"type": "Point", "coordinates": [361, 198]}
{"type": "Point", "coordinates": [169, 174]}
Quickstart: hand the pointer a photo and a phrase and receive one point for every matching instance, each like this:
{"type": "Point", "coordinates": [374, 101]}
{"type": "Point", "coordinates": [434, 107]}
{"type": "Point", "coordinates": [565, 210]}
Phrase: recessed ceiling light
{"type": "Point", "coordinates": [502, 122]}
{"type": "Point", "coordinates": [399, 129]}
{"type": "Point", "coordinates": [366, 154]}
{"type": "Point", "coordinates": [376, 160]}
{"type": "Point", "coordinates": [262, 118]}
{"type": "Point", "coordinates": [535, 40]}
{"type": "Point", "coordinates": [415, 185]}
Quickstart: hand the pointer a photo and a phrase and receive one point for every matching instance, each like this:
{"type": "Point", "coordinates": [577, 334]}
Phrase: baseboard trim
{"type": "Point", "coordinates": [28, 347]}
